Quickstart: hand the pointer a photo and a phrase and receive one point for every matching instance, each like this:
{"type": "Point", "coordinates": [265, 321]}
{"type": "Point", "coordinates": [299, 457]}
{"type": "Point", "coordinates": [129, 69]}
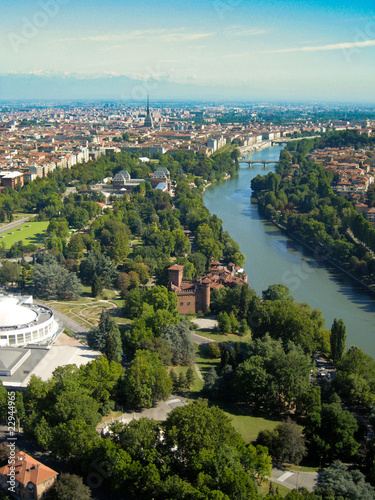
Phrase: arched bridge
{"type": "Point", "coordinates": [259, 162]}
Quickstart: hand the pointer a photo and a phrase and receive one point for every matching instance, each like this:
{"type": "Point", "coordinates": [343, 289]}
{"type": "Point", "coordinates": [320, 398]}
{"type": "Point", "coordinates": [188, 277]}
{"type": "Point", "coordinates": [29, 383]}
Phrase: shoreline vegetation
{"type": "Point", "coordinates": [302, 205]}
{"type": "Point", "coordinates": [292, 236]}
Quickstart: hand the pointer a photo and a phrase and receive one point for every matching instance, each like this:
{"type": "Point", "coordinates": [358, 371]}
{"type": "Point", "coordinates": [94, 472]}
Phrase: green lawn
{"type": "Point", "coordinates": [247, 425]}
{"type": "Point", "coordinates": [205, 364]}
{"type": "Point", "coordinates": [264, 488]}
{"type": "Point", "coordinates": [31, 232]}
{"type": "Point", "coordinates": [198, 383]}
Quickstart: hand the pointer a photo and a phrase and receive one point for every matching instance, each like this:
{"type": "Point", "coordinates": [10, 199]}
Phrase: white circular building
{"type": "Point", "coordinates": [23, 323]}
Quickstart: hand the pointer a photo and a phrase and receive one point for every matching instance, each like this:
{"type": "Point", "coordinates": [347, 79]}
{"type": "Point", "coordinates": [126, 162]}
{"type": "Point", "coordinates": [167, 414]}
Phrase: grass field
{"type": "Point", "coordinates": [30, 232]}
{"type": "Point", "coordinates": [205, 364]}
{"type": "Point", "coordinates": [247, 425]}
{"type": "Point", "coordinates": [264, 488]}
{"type": "Point", "coordinates": [198, 383]}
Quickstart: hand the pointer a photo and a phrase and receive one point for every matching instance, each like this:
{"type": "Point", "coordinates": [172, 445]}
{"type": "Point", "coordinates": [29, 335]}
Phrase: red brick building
{"type": "Point", "coordinates": [195, 296]}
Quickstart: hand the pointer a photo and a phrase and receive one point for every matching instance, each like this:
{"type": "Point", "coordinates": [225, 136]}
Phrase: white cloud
{"type": "Point", "coordinates": [174, 35]}
{"type": "Point", "coordinates": [336, 46]}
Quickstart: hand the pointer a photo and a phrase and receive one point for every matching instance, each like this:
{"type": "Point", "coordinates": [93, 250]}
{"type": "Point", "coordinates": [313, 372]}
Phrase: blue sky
{"type": "Point", "coordinates": [274, 50]}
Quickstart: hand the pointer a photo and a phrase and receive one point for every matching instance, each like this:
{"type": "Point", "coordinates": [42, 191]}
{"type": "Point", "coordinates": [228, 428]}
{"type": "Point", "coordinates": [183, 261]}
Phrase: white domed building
{"type": "Point", "coordinates": [23, 323]}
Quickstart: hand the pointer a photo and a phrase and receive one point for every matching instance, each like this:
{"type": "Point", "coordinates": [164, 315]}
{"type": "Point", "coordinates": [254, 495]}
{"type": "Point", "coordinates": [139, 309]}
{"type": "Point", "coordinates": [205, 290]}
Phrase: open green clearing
{"type": "Point", "coordinates": [247, 425]}
{"type": "Point", "coordinates": [30, 232]}
{"type": "Point", "coordinates": [197, 384]}
{"type": "Point", "coordinates": [205, 364]}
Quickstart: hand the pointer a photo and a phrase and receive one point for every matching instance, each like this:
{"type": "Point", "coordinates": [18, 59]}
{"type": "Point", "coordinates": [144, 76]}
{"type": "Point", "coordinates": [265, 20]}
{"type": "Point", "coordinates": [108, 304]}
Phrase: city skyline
{"type": "Point", "coordinates": [219, 48]}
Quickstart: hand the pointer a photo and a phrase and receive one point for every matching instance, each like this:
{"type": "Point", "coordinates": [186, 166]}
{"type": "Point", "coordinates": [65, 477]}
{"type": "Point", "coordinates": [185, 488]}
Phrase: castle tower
{"type": "Point", "coordinates": [206, 294]}
{"type": "Point", "coordinates": [175, 274]}
{"type": "Point", "coordinates": [148, 120]}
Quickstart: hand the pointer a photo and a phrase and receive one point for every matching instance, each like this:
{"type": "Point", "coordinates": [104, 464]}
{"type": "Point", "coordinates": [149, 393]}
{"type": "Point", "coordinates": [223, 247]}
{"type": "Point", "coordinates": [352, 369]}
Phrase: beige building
{"type": "Point", "coordinates": [26, 478]}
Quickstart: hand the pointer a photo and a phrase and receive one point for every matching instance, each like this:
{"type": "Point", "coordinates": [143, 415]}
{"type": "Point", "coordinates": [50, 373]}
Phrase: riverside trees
{"type": "Point", "coordinates": [303, 201]}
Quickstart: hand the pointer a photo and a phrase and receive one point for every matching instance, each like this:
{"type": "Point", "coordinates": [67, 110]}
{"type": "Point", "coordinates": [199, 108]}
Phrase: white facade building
{"type": "Point", "coordinates": [23, 323]}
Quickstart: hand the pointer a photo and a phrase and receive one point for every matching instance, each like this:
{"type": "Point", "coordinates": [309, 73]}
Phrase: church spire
{"type": "Point", "coordinates": [148, 119]}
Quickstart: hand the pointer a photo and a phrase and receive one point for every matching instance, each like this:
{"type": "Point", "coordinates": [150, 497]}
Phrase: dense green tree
{"type": "Point", "coordinates": [99, 265]}
{"type": "Point", "coordinates": [79, 218]}
{"type": "Point", "coordinates": [75, 405]}
{"type": "Point", "coordinates": [106, 338]}
{"type": "Point", "coordinates": [96, 286]}
{"type": "Point", "coordinates": [99, 378]}
{"type": "Point", "coordinates": [355, 378]}
{"type": "Point", "coordinates": [71, 440]}
{"type": "Point", "coordinates": [331, 432]}
{"type": "Point", "coordinates": [9, 272]}
{"type": "Point", "coordinates": [338, 339]}
{"type": "Point", "coordinates": [146, 381]}
{"type": "Point", "coordinates": [257, 461]}
{"type": "Point", "coordinates": [59, 227]}
{"type": "Point", "coordinates": [183, 431]}
{"type": "Point", "coordinates": [53, 281]}
{"type": "Point", "coordinates": [69, 487]}
{"type": "Point", "coordinates": [180, 342]}
{"type": "Point", "coordinates": [224, 323]}
{"type": "Point", "coordinates": [277, 292]}
{"type": "Point", "coordinates": [338, 482]}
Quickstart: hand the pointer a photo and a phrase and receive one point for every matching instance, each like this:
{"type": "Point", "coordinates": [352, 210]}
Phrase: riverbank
{"type": "Point", "coordinates": [253, 147]}
{"type": "Point", "coordinates": [324, 252]}
{"type": "Point", "coordinates": [273, 257]}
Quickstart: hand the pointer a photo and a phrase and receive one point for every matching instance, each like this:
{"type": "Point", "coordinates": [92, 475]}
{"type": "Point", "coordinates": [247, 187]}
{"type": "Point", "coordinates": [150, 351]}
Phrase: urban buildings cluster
{"type": "Point", "coordinates": [36, 139]}
{"type": "Point", "coordinates": [354, 172]}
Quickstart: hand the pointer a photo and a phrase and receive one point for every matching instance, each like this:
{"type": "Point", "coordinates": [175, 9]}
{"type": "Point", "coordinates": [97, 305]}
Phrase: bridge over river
{"type": "Point", "coordinates": [258, 162]}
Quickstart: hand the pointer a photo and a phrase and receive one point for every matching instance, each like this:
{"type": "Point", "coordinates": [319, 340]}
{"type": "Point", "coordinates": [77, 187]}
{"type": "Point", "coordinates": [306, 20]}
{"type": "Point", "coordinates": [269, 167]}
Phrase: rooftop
{"type": "Point", "coordinates": [29, 470]}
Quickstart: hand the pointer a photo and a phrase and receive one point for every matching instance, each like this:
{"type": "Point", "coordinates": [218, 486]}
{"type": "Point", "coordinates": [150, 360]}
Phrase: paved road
{"type": "Point", "coordinates": [158, 412]}
{"type": "Point", "coordinates": [14, 224]}
{"type": "Point", "coordinates": [200, 340]}
{"type": "Point", "coordinates": [294, 480]}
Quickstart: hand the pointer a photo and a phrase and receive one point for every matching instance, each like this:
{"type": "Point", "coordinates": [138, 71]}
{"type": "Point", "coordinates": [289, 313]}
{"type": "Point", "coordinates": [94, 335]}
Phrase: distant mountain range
{"type": "Point", "coordinates": [116, 88]}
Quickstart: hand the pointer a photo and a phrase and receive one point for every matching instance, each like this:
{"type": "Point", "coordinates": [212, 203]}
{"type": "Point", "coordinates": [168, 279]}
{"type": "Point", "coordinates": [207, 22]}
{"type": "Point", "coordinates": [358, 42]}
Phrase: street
{"type": "Point", "coordinates": [14, 224]}
{"type": "Point", "coordinates": [294, 480]}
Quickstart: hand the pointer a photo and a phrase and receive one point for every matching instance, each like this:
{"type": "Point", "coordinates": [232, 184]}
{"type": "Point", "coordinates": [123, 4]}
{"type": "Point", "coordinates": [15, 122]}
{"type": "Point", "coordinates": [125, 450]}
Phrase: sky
{"type": "Point", "coordinates": [274, 50]}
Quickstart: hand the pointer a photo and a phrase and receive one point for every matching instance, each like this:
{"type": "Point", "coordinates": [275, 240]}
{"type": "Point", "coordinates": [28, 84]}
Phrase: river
{"type": "Point", "coordinates": [272, 257]}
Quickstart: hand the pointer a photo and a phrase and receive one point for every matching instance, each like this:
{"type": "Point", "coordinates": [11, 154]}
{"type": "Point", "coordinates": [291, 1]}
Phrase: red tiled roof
{"type": "Point", "coordinates": [29, 470]}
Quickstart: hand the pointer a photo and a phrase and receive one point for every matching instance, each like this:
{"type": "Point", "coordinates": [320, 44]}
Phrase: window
{"type": "Point", "coordinates": [181, 303]}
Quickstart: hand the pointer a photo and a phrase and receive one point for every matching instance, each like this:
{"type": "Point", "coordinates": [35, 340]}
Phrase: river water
{"type": "Point", "coordinates": [272, 257]}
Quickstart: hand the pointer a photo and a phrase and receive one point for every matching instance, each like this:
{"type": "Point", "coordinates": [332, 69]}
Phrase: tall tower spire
{"type": "Point", "coordinates": [148, 119]}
